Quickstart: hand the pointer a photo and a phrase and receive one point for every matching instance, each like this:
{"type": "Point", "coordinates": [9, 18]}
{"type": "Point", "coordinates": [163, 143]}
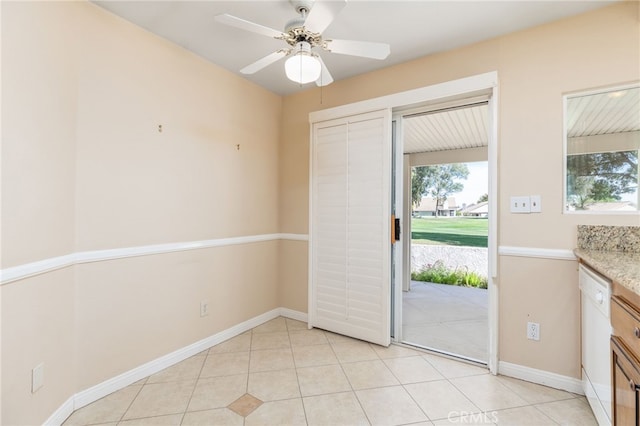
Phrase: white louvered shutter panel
{"type": "Point", "coordinates": [350, 227]}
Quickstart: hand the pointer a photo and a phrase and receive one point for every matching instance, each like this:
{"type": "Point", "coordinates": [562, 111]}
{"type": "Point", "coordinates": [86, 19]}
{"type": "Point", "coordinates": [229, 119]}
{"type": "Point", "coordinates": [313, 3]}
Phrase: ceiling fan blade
{"type": "Point", "coordinates": [325, 76]}
{"type": "Point", "coordinates": [233, 21]}
{"type": "Point", "coordinates": [264, 62]}
{"type": "Point", "coordinates": [322, 14]}
{"type": "Point", "coordinates": [365, 49]}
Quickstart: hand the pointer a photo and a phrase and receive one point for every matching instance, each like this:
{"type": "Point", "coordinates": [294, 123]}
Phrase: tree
{"type": "Point", "coordinates": [601, 176]}
{"type": "Point", "coordinates": [483, 198]}
{"type": "Point", "coordinates": [439, 181]}
{"type": "Point", "coordinates": [418, 185]}
{"type": "Point", "coordinates": [580, 189]}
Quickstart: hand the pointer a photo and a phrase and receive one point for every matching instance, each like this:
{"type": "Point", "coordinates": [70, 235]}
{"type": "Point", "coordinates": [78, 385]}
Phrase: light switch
{"type": "Point", "coordinates": [520, 205]}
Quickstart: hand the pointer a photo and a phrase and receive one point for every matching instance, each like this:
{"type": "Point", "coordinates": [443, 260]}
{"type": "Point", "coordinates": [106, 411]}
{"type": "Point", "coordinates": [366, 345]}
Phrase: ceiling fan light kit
{"type": "Point", "coordinates": [302, 66]}
{"type": "Point", "coordinates": [303, 34]}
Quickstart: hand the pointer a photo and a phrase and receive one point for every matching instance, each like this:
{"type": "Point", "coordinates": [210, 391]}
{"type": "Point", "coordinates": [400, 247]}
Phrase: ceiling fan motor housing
{"type": "Point", "coordinates": [295, 31]}
{"type": "Point", "coordinates": [302, 6]}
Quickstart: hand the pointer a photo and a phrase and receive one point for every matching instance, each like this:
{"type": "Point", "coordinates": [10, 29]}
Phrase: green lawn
{"type": "Point", "coordinates": [458, 231]}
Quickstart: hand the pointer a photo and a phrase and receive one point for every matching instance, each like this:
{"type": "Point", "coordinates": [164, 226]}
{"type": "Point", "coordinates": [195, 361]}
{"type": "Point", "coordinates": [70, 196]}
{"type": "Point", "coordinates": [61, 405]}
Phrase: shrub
{"type": "Point", "coordinates": [438, 273]}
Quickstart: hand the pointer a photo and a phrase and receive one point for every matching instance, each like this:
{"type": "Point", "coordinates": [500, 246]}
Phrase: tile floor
{"type": "Point", "coordinates": [281, 373]}
{"type": "Point", "coordinates": [447, 318]}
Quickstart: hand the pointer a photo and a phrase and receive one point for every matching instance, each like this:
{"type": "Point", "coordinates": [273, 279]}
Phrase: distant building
{"type": "Point", "coordinates": [617, 206]}
{"type": "Point", "coordinates": [476, 210]}
{"type": "Point", "coordinates": [427, 208]}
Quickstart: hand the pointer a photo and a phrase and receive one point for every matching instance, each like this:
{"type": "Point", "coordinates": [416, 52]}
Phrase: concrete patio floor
{"type": "Point", "coordinates": [447, 318]}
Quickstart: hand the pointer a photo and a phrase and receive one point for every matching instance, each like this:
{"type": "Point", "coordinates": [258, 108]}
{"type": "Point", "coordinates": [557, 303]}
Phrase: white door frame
{"type": "Point", "coordinates": [464, 87]}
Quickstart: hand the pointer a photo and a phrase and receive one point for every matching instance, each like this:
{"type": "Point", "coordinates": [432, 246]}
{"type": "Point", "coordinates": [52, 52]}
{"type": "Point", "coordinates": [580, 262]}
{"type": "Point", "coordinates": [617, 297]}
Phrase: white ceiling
{"type": "Point", "coordinates": [412, 28]}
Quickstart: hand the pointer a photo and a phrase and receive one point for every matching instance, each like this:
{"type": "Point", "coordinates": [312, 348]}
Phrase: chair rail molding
{"type": "Point", "coordinates": [542, 253]}
{"type": "Point", "coordinates": [27, 270]}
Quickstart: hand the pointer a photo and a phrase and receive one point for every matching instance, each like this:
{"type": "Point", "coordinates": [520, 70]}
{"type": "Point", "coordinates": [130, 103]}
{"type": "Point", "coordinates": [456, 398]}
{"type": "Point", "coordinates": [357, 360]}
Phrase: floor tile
{"type": "Point", "coordinates": [390, 406]}
{"type": "Point", "coordinates": [471, 419]}
{"type": "Point", "coordinates": [335, 338]}
{"type": "Point", "coordinates": [169, 420]}
{"type": "Point", "coordinates": [522, 416]}
{"type": "Point", "coordinates": [450, 368]}
{"type": "Point", "coordinates": [225, 364]}
{"type": "Point", "coordinates": [307, 337]}
{"type": "Point", "coordinates": [107, 409]}
{"type": "Point", "coordinates": [534, 393]}
{"type": "Point", "coordinates": [272, 326]}
{"type": "Point", "coordinates": [569, 412]}
{"type": "Point", "coordinates": [241, 343]}
{"type": "Point", "coordinates": [313, 379]}
{"type": "Point", "coordinates": [394, 351]}
{"type": "Point", "coordinates": [413, 369]}
{"type": "Point", "coordinates": [274, 385]}
{"type": "Point", "coordinates": [440, 399]}
{"type": "Point", "coordinates": [336, 409]}
{"type": "Point", "coordinates": [322, 380]}
{"type": "Point", "coordinates": [276, 340]}
{"type": "Point", "coordinates": [158, 399]}
{"type": "Point", "coordinates": [271, 359]}
{"type": "Point", "coordinates": [189, 369]}
{"type": "Point", "coordinates": [293, 325]}
{"type": "Point", "coordinates": [245, 405]}
{"type": "Point", "coordinates": [369, 374]}
{"type": "Point", "coordinates": [354, 351]}
{"type": "Point", "coordinates": [220, 416]}
{"type": "Point", "coordinates": [488, 393]}
{"type": "Point", "coordinates": [307, 356]}
{"type": "Point", "coordinates": [217, 392]}
{"type": "Point", "coordinates": [282, 413]}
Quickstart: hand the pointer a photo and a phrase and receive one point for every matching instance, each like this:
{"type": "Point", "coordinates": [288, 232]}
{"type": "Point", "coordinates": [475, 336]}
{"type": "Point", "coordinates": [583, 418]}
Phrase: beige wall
{"type": "Point", "coordinates": [535, 68]}
{"type": "Point", "coordinates": [85, 168]}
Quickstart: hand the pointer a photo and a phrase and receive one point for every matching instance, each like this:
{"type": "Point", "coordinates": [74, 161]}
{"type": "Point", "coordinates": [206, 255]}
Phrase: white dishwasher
{"type": "Point", "coordinates": [596, 352]}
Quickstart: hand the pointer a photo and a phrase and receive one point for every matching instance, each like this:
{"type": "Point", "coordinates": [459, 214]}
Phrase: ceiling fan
{"type": "Point", "coordinates": [303, 34]}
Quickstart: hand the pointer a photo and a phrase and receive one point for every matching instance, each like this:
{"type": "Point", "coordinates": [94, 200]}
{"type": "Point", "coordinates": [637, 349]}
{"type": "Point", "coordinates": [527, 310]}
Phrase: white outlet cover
{"type": "Point", "coordinates": [533, 331]}
{"type": "Point", "coordinates": [536, 204]}
{"type": "Point", "coordinates": [204, 308]}
{"type": "Point", "coordinates": [37, 377]}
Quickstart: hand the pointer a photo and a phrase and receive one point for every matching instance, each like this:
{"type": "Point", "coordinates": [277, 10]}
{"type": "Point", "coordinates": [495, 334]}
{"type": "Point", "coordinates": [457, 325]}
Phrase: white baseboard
{"type": "Point", "coordinates": [61, 414]}
{"type": "Point", "coordinates": [123, 380]}
{"type": "Point", "coordinates": [294, 315]}
{"type": "Point", "coordinates": [541, 377]}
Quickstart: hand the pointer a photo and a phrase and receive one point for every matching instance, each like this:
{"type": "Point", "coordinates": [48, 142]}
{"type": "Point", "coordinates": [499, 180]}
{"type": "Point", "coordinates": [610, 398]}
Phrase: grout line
{"type": "Point", "coordinates": [295, 369]}
{"type": "Point", "coordinates": [133, 400]}
{"type": "Point", "coordinates": [193, 391]}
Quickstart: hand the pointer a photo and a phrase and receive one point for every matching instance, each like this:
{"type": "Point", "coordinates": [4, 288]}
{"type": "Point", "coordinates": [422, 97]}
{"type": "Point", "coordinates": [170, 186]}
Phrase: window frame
{"type": "Point", "coordinates": [565, 199]}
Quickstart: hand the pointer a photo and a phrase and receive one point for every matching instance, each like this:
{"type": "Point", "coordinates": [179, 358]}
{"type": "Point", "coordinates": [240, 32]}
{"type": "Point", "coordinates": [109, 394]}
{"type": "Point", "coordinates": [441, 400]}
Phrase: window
{"type": "Point", "coordinates": [602, 146]}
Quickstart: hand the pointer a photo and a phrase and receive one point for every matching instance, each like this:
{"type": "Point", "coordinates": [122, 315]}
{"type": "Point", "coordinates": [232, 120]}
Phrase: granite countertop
{"type": "Point", "coordinates": [613, 251]}
{"type": "Point", "coordinates": [621, 267]}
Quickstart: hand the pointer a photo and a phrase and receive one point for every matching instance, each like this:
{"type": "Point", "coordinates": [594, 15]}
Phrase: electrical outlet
{"type": "Point", "coordinates": [533, 331]}
{"type": "Point", "coordinates": [204, 308]}
{"type": "Point", "coordinates": [37, 377]}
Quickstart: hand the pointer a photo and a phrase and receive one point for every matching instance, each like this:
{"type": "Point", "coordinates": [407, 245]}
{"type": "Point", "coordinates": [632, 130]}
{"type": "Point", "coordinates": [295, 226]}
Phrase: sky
{"type": "Point", "coordinates": [476, 184]}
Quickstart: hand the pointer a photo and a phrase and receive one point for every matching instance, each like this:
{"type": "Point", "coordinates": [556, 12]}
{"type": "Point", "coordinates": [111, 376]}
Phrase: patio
{"type": "Point", "coordinates": [447, 318]}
